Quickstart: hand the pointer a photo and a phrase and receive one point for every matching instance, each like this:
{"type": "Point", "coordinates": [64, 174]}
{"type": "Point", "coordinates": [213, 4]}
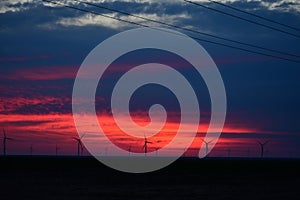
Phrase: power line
{"type": "Point", "coordinates": [254, 15]}
{"type": "Point", "coordinates": [95, 13]}
{"type": "Point", "coordinates": [246, 50]}
{"type": "Point", "coordinates": [187, 29]}
{"type": "Point", "coordinates": [244, 19]}
{"type": "Point", "coordinates": [196, 38]}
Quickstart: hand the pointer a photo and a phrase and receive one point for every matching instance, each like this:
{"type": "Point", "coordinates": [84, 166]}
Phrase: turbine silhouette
{"type": "Point", "coordinates": [106, 151]}
{"type": "Point", "coordinates": [262, 146]}
{"type": "Point", "coordinates": [31, 150]}
{"type": "Point", "coordinates": [206, 146]}
{"type": "Point", "coordinates": [56, 150]}
{"type": "Point", "coordinates": [5, 138]}
{"type": "Point", "coordinates": [184, 152]}
{"type": "Point", "coordinates": [248, 152]}
{"type": "Point", "coordinates": [228, 152]}
{"type": "Point", "coordinates": [79, 145]}
{"type": "Point", "coordinates": [146, 142]}
{"type": "Point", "coordinates": [129, 150]}
{"type": "Point", "coordinates": [156, 151]}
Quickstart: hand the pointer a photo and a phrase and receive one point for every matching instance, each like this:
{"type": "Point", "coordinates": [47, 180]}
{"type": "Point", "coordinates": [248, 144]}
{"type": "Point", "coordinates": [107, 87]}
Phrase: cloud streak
{"type": "Point", "coordinates": [18, 5]}
{"type": "Point", "coordinates": [95, 20]}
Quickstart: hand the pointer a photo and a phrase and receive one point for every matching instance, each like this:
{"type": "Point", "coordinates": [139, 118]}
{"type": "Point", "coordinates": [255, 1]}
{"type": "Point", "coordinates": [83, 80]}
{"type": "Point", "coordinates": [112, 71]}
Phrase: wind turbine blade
{"type": "Point", "coordinates": [82, 136]}
{"type": "Point", "coordinates": [259, 142]}
{"type": "Point", "coordinates": [266, 142]}
{"type": "Point", "coordinates": [206, 143]}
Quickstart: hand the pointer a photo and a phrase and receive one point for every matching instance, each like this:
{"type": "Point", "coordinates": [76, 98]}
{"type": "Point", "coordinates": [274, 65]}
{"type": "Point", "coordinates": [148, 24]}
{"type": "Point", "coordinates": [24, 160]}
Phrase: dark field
{"type": "Point", "coordinates": [86, 178]}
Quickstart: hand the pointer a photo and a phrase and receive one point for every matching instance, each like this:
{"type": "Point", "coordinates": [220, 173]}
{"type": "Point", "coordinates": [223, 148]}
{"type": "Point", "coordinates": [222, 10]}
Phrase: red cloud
{"type": "Point", "coordinates": [44, 73]}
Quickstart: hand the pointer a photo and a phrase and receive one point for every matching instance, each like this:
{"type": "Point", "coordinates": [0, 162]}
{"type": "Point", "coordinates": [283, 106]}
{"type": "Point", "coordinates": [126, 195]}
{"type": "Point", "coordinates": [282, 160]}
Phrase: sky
{"type": "Point", "coordinates": [43, 46]}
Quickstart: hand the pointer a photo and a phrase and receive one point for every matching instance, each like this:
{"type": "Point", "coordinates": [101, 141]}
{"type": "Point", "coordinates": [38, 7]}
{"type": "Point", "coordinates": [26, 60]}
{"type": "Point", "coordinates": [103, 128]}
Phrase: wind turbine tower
{"type": "Point", "coordinates": [56, 150]}
{"type": "Point", "coordinates": [79, 145]}
{"type": "Point", "coordinates": [262, 147]}
{"type": "Point", "coordinates": [5, 138]}
{"type": "Point", "coordinates": [145, 147]}
{"type": "Point", "coordinates": [206, 146]}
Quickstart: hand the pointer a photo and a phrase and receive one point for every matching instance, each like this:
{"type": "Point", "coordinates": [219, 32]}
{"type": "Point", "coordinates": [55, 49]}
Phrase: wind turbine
{"type": "Point", "coordinates": [146, 142]}
{"type": "Point", "coordinates": [106, 151]}
{"type": "Point", "coordinates": [79, 145]}
{"type": "Point", "coordinates": [206, 146]}
{"type": "Point", "coordinates": [262, 147]}
{"type": "Point", "coordinates": [31, 149]}
{"type": "Point", "coordinates": [129, 150]}
{"type": "Point", "coordinates": [4, 141]}
{"type": "Point", "coordinates": [56, 150]}
{"type": "Point", "coordinates": [156, 151]}
{"type": "Point", "coordinates": [248, 152]}
{"type": "Point", "coordinates": [228, 152]}
{"type": "Point", "coordinates": [185, 152]}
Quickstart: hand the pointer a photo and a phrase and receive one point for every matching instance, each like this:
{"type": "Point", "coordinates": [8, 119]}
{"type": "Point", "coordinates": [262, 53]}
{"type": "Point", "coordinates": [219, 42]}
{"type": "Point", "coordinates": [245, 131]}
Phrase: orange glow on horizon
{"type": "Point", "coordinates": [60, 128]}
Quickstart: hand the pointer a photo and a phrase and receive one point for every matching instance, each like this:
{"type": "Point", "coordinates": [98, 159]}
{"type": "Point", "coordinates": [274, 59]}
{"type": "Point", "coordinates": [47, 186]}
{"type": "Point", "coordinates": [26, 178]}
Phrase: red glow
{"type": "Point", "coordinates": [43, 73]}
{"type": "Point", "coordinates": [46, 131]}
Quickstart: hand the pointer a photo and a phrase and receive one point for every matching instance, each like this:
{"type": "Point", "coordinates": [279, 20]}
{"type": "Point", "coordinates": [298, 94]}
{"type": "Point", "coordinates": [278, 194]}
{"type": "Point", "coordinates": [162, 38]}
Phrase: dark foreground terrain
{"type": "Point", "coordinates": [86, 178]}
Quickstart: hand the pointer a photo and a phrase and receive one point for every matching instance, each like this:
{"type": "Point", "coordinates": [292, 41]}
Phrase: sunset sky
{"type": "Point", "coordinates": [43, 45]}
